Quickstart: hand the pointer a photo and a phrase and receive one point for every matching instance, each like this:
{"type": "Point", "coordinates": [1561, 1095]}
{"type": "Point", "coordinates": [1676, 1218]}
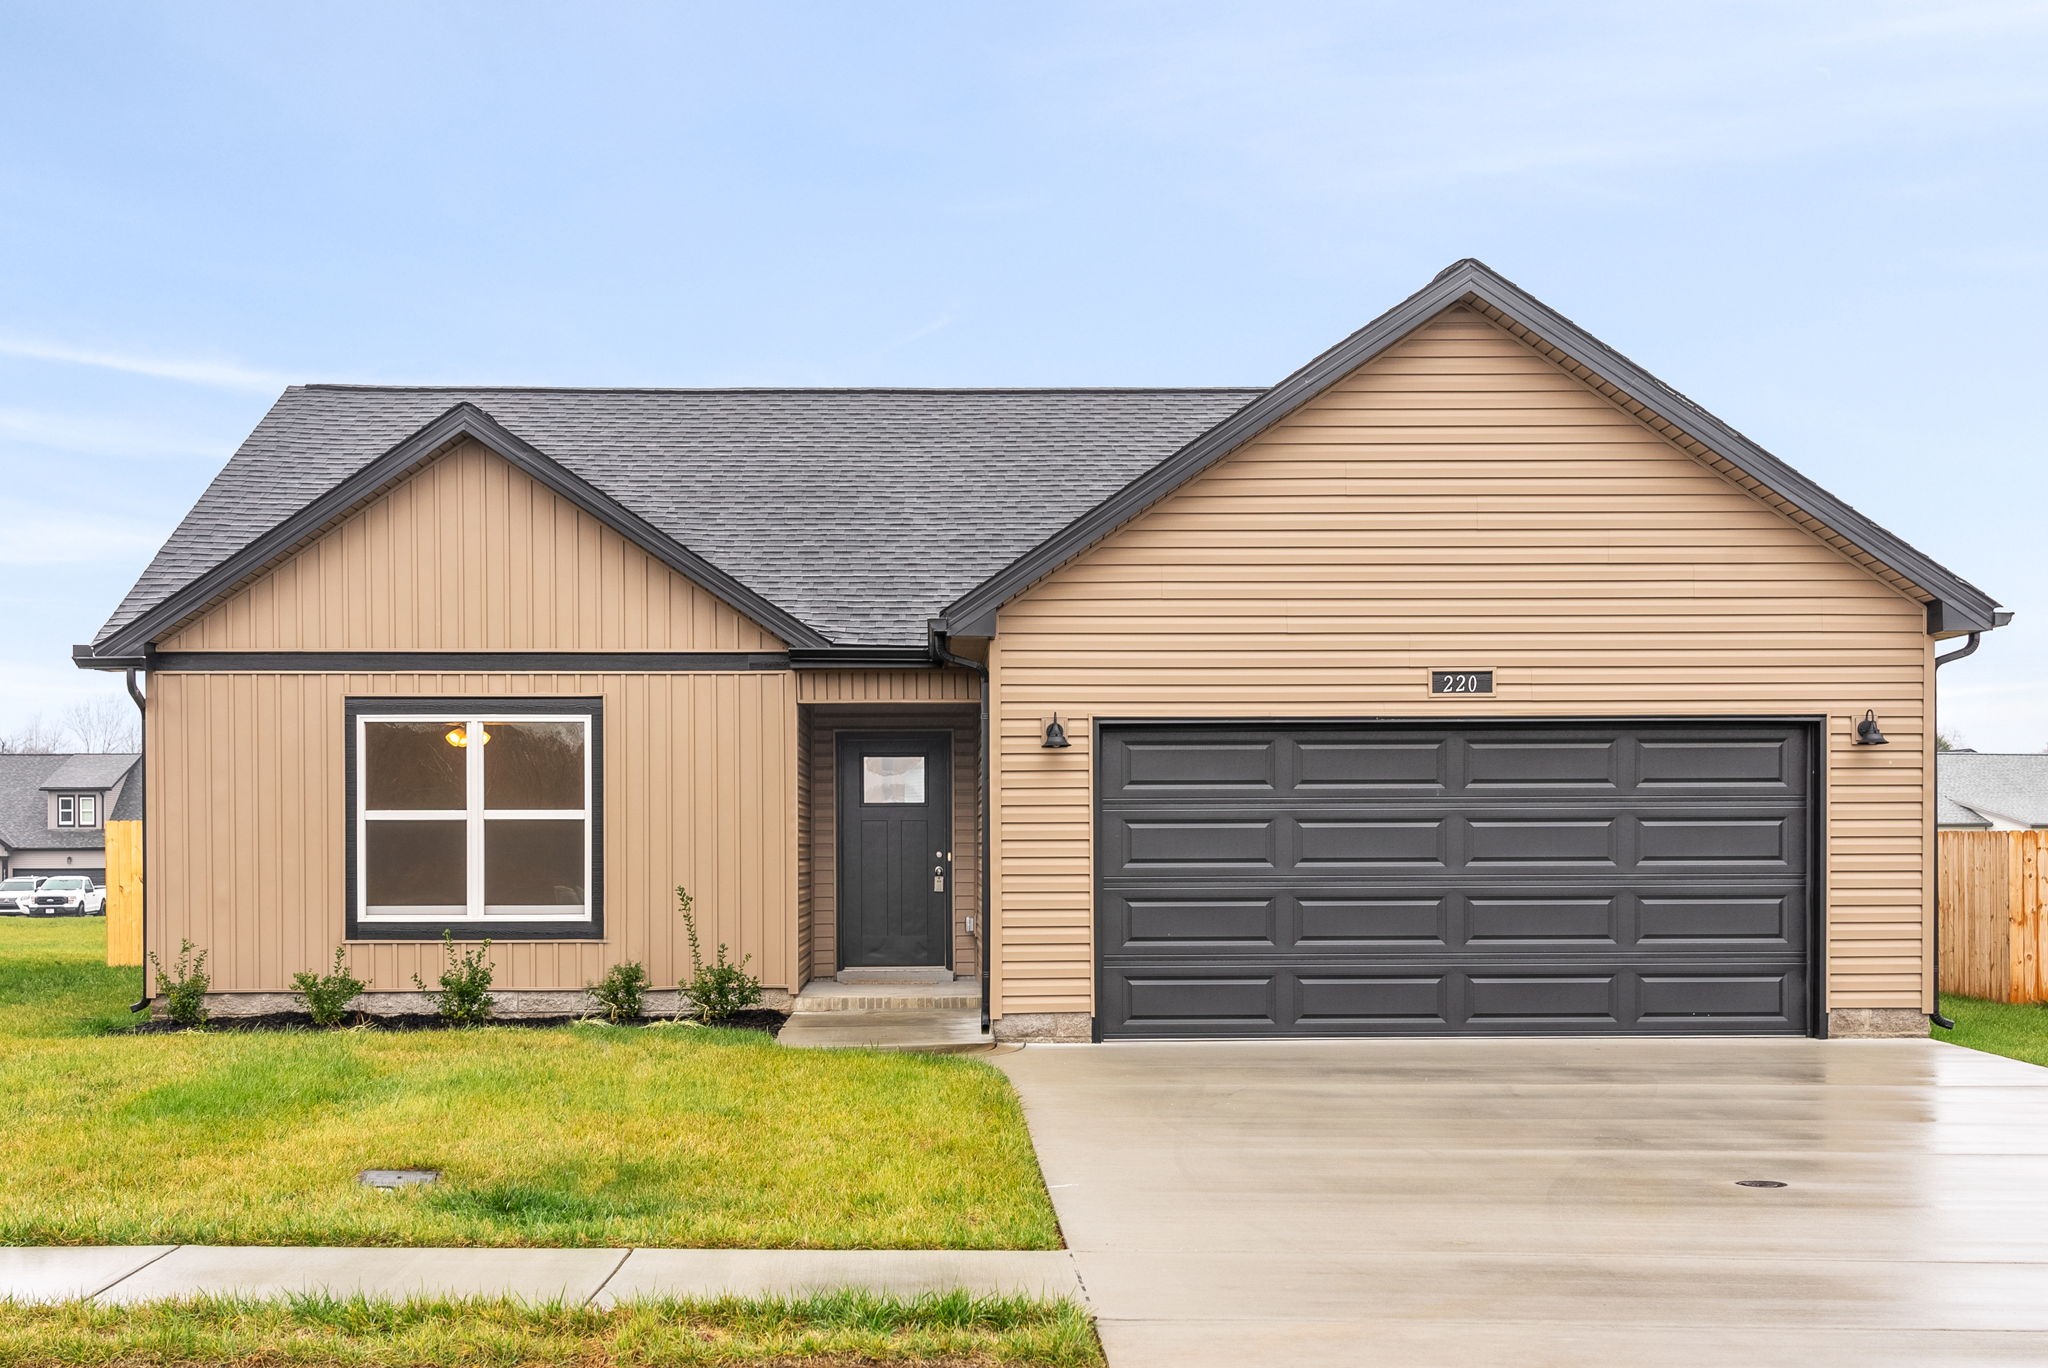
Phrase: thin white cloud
{"type": "Point", "coordinates": [81, 537]}
{"type": "Point", "coordinates": [218, 374]}
{"type": "Point", "coordinates": [101, 436]}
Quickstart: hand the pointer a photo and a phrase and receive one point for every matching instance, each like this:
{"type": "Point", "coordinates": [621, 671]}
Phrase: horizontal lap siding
{"type": "Point", "coordinates": [470, 554]}
{"type": "Point", "coordinates": [247, 814]}
{"type": "Point", "coordinates": [1463, 502]}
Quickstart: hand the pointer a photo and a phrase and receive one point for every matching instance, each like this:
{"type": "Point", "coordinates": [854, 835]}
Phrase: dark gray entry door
{"type": "Point", "coordinates": [895, 849]}
{"type": "Point", "coordinates": [1401, 879]}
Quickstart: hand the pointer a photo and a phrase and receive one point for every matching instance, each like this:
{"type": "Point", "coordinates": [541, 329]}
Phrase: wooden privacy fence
{"type": "Point", "coordinates": [1994, 943]}
{"type": "Point", "coordinates": [124, 892]}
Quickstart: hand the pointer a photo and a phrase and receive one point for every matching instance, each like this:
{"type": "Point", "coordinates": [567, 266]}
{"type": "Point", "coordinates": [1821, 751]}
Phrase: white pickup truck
{"type": "Point", "coordinates": [66, 895]}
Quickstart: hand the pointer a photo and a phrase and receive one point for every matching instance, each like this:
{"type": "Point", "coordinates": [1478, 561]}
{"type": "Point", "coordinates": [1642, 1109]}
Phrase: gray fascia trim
{"type": "Point", "coordinates": [862, 658]}
{"type": "Point", "coordinates": [973, 613]}
{"type": "Point", "coordinates": [462, 420]}
{"type": "Point", "coordinates": [467, 662]}
{"type": "Point", "coordinates": [85, 658]}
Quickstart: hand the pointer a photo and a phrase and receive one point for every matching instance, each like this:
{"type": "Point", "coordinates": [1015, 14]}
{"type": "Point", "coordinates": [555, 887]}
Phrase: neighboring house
{"type": "Point", "coordinates": [1468, 680]}
{"type": "Point", "coordinates": [54, 810]}
{"type": "Point", "coordinates": [1992, 792]}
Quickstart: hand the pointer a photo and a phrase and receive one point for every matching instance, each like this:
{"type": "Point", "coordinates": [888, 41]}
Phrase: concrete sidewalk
{"type": "Point", "coordinates": [602, 1277]}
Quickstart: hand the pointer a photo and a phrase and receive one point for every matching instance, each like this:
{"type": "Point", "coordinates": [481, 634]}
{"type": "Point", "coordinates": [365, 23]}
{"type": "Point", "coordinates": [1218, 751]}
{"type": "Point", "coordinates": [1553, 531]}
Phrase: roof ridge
{"type": "Point", "coordinates": [781, 389]}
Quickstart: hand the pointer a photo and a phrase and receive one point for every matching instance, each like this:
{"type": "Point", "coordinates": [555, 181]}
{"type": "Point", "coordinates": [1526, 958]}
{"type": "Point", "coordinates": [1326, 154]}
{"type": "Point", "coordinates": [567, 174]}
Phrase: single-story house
{"type": "Point", "coordinates": [1981, 791]}
{"type": "Point", "coordinates": [1468, 680]}
{"type": "Point", "coordinates": [54, 810]}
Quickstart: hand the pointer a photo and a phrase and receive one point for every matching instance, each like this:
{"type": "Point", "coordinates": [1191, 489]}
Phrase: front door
{"type": "Point", "coordinates": [895, 849]}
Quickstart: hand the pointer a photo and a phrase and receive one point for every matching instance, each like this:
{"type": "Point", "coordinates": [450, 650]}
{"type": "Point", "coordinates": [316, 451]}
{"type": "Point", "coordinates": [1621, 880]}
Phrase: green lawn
{"type": "Point", "coordinates": [2002, 1028]}
{"type": "Point", "coordinates": [584, 1135]}
{"type": "Point", "coordinates": [818, 1332]}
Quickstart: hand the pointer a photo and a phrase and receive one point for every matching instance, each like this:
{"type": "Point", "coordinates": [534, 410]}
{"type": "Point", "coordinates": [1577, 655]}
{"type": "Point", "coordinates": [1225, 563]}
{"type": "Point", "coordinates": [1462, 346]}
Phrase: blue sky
{"type": "Point", "coordinates": [1823, 220]}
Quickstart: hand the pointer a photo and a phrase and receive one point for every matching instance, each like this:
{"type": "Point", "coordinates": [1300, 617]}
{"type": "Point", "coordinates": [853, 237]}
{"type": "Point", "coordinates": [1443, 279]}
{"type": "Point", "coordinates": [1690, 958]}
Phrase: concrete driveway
{"type": "Point", "coordinates": [1527, 1203]}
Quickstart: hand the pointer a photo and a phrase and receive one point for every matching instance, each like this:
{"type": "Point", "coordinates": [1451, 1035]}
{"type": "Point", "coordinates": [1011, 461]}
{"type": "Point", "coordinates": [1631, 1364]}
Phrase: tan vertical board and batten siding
{"type": "Point", "coordinates": [470, 553]}
{"type": "Point", "coordinates": [247, 815]}
{"type": "Point", "coordinates": [822, 865]}
{"type": "Point", "coordinates": [1461, 501]}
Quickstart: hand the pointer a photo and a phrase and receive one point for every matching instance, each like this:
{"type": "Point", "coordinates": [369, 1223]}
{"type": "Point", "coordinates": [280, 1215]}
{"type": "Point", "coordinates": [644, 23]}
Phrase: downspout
{"type": "Point", "coordinates": [142, 851]}
{"type": "Point", "coordinates": [1935, 1016]}
{"type": "Point", "coordinates": [988, 817]}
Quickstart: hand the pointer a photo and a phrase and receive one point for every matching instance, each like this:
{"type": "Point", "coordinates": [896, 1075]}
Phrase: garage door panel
{"type": "Point", "coordinates": [1203, 1001]}
{"type": "Point", "coordinates": [1493, 878]}
{"type": "Point", "coordinates": [1421, 999]}
{"type": "Point", "coordinates": [1585, 766]}
{"type": "Point", "coordinates": [1703, 764]}
{"type": "Point", "coordinates": [1345, 768]}
{"type": "Point", "coordinates": [1363, 999]}
{"type": "Point", "coordinates": [1774, 921]}
{"type": "Point", "coordinates": [1477, 921]}
{"type": "Point", "coordinates": [1328, 845]}
{"type": "Point", "coordinates": [1327, 924]}
{"type": "Point", "coordinates": [1236, 767]}
{"type": "Point", "coordinates": [1164, 843]}
{"type": "Point", "coordinates": [1199, 920]}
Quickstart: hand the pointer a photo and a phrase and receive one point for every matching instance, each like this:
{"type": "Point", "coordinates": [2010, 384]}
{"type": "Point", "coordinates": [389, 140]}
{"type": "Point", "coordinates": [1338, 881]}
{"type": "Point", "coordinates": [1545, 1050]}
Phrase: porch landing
{"type": "Point", "coordinates": [930, 1017]}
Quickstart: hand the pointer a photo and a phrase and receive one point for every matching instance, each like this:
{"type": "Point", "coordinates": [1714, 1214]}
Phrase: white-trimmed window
{"type": "Point", "coordinates": [88, 809]}
{"type": "Point", "coordinates": [67, 810]}
{"type": "Point", "coordinates": [473, 816]}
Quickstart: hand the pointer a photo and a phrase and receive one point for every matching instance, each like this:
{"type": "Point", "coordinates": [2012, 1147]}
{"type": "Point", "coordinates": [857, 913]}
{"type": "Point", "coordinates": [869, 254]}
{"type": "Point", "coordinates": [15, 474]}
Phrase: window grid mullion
{"type": "Point", "coordinates": [474, 755]}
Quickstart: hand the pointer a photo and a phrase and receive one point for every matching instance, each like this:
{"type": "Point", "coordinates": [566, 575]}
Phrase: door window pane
{"type": "Point", "coordinates": [533, 863]}
{"type": "Point", "coordinates": [530, 765]}
{"type": "Point", "coordinates": [412, 767]}
{"type": "Point", "coordinates": [892, 778]}
{"type": "Point", "coordinates": [416, 864]}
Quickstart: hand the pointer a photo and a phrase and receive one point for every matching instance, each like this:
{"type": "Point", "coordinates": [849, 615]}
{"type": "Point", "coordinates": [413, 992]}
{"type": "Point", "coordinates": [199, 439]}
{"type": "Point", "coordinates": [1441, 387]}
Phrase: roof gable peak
{"type": "Point", "coordinates": [1956, 604]}
{"type": "Point", "coordinates": [461, 421]}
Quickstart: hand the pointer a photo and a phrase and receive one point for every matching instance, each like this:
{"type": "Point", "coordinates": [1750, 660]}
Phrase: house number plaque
{"type": "Point", "coordinates": [1461, 681]}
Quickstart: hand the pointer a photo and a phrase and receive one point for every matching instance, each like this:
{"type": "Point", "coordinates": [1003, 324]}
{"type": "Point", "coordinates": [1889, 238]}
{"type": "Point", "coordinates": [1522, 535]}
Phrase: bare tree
{"type": "Point", "coordinates": [103, 723]}
{"type": "Point", "coordinates": [33, 737]}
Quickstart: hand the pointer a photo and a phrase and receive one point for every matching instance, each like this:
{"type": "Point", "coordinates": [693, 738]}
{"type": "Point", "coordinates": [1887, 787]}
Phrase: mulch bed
{"type": "Point", "coordinates": [769, 1022]}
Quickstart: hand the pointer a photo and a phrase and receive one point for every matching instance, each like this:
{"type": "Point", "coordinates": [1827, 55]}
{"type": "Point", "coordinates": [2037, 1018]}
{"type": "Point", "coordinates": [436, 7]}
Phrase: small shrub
{"type": "Point", "coordinates": [465, 996]}
{"type": "Point", "coordinates": [183, 987]}
{"type": "Point", "coordinates": [720, 990]}
{"type": "Point", "coordinates": [328, 995]}
{"type": "Point", "coordinates": [620, 991]}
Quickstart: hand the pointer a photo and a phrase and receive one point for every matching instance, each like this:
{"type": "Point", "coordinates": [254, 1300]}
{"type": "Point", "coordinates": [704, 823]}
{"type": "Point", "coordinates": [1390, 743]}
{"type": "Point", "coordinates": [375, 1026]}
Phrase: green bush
{"type": "Point", "coordinates": [183, 987]}
{"type": "Point", "coordinates": [620, 991]}
{"type": "Point", "coordinates": [720, 990]}
{"type": "Point", "coordinates": [465, 996]}
{"type": "Point", "coordinates": [328, 995]}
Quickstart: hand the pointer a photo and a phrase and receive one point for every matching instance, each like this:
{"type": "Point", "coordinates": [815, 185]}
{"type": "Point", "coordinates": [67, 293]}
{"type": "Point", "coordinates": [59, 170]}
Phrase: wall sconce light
{"type": "Point", "coordinates": [1056, 735]}
{"type": "Point", "coordinates": [1867, 733]}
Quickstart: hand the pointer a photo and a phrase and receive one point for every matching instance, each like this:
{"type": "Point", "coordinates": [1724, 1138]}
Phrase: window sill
{"type": "Point", "coordinates": [432, 932]}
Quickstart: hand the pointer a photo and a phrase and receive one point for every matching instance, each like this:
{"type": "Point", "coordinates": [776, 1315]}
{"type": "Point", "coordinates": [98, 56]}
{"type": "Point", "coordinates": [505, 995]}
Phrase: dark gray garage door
{"type": "Point", "coordinates": [1409, 880]}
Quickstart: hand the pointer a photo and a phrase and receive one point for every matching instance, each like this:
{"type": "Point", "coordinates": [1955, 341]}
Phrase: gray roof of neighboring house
{"type": "Point", "coordinates": [96, 771]}
{"type": "Point", "coordinates": [25, 806]}
{"type": "Point", "coordinates": [128, 807]}
{"type": "Point", "coordinates": [860, 512]}
{"type": "Point", "coordinates": [1973, 785]}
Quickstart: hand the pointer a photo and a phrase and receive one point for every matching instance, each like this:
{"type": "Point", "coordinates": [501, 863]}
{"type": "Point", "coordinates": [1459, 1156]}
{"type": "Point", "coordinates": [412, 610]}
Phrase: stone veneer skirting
{"type": "Point", "coordinates": [1050, 1028]}
{"type": "Point", "coordinates": [1874, 1023]}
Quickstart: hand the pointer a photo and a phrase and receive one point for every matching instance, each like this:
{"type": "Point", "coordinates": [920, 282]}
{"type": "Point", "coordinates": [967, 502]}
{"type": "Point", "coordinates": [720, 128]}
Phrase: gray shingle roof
{"type": "Point", "coordinates": [25, 804]}
{"type": "Point", "coordinates": [81, 772]}
{"type": "Point", "coordinates": [861, 512]}
{"type": "Point", "coordinates": [1975, 785]}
